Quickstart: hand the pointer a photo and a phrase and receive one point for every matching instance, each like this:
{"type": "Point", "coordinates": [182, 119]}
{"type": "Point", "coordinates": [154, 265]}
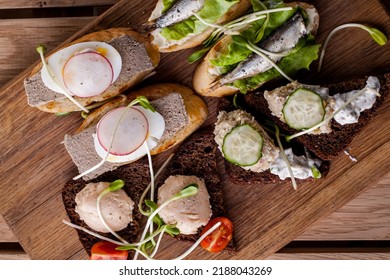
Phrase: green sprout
{"type": "Point", "coordinates": [375, 34]}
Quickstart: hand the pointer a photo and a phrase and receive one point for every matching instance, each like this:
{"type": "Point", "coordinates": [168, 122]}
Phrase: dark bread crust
{"type": "Point", "coordinates": [325, 146]}
{"type": "Point", "coordinates": [238, 175]}
{"type": "Point", "coordinates": [136, 177]}
{"type": "Point", "coordinates": [198, 156]}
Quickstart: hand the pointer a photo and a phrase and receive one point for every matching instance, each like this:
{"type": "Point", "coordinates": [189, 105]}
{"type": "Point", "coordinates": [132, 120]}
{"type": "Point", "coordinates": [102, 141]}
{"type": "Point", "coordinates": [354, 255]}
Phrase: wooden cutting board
{"type": "Point", "coordinates": [35, 165]}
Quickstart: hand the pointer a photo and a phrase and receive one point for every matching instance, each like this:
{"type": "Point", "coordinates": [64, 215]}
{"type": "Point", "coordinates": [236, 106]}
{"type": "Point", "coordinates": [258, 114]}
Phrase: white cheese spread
{"type": "Point", "coordinates": [300, 165]}
{"type": "Point", "coordinates": [365, 101]}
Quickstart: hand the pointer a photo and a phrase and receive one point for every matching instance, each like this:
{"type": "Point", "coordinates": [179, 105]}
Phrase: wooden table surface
{"type": "Point", "coordinates": [360, 229]}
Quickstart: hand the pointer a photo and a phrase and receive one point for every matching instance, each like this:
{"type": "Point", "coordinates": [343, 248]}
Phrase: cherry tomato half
{"type": "Point", "coordinates": [217, 240]}
{"type": "Point", "coordinates": [104, 250]}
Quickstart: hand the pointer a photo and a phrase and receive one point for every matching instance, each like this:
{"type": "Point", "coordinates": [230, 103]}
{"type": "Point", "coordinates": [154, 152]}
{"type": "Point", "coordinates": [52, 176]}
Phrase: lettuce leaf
{"type": "Point", "coordinates": [167, 5]}
{"type": "Point", "coordinates": [212, 10]}
{"type": "Point", "coordinates": [300, 59]}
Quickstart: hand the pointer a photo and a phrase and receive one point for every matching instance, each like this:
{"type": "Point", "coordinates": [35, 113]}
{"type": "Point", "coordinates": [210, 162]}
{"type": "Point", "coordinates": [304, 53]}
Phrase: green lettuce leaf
{"type": "Point", "coordinates": [211, 12]}
{"type": "Point", "coordinates": [167, 5]}
{"type": "Point", "coordinates": [300, 59]}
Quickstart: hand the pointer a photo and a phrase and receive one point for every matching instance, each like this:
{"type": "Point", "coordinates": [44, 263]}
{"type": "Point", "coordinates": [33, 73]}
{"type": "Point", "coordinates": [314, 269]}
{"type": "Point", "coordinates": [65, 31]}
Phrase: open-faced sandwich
{"type": "Point", "coordinates": [122, 131]}
{"type": "Point", "coordinates": [281, 41]}
{"type": "Point", "coordinates": [251, 155]}
{"type": "Point", "coordinates": [91, 69]}
{"type": "Point", "coordinates": [188, 205]}
{"type": "Point", "coordinates": [182, 24]}
{"type": "Point", "coordinates": [323, 119]}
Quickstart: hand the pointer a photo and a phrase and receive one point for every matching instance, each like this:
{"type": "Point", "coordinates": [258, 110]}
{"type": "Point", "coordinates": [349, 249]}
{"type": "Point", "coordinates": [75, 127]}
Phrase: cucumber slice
{"type": "Point", "coordinates": [242, 145]}
{"type": "Point", "coordinates": [303, 109]}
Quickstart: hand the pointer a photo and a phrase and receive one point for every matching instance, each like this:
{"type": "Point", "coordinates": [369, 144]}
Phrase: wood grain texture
{"type": "Point", "coordinates": [330, 256]}
{"type": "Point", "coordinates": [367, 217]}
{"type": "Point", "coordinates": [6, 234]}
{"type": "Point", "coordinates": [19, 37]}
{"type": "Point", "coordinates": [266, 217]}
{"type": "Point", "coordinates": [22, 4]}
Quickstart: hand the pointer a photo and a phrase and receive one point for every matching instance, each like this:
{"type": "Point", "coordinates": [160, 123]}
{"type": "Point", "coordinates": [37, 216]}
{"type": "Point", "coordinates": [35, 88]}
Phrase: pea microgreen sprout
{"type": "Point", "coordinates": [150, 186]}
{"type": "Point", "coordinates": [114, 186]}
{"type": "Point", "coordinates": [316, 173]}
{"type": "Point", "coordinates": [375, 34]}
{"type": "Point", "coordinates": [143, 101]}
{"type": "Point", "coordinates": [41, 50]}
{"type": "Point", "coordinates": [62, 114]}
{"type": "Point", "coordinates": [293, 182]}
{"type": "Point", "coordinates": [327, 119]}
{"type": "Point", "coordinates": [188, 191]}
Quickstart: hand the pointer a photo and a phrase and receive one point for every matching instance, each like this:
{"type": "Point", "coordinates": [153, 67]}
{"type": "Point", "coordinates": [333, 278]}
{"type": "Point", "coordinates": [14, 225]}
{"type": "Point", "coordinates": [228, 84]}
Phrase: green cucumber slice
{"type": "Point", "coordinates": [303, 109]}
{"type": "Point", "coordinates": [242, 145]}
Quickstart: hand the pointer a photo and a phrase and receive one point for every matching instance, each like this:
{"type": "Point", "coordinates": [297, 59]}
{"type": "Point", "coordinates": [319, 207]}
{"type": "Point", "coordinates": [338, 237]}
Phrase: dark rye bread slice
{"type": "Point", "coordinates": [198, 156]}
{"type": "Point", "coordinates": [325, 146]}
{"type": "Point", "coordinates": [81, 146]}
{"type": "Point", "coordinates": [136, 177]}
{"type": "Point", "coordinates": [134, 60]}
{"type": "Point", "coordinates": [239, 175]}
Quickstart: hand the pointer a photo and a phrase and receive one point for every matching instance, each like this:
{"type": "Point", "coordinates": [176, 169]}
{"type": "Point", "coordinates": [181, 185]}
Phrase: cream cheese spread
{"type": "Point", "coordinates": [301, 165]}
{"type": "Point", "coordinates": [365, 101]}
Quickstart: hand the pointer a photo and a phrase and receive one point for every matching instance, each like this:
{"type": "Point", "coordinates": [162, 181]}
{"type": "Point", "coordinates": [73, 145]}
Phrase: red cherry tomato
{"type": "Point", "coordinates": [217, 240]}
{"type": "Point", "coordinates": [104, 250]}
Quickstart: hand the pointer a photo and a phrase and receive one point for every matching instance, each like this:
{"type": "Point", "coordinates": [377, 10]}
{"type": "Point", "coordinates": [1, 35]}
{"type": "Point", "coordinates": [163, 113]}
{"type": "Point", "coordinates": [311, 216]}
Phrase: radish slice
{"type": "Point", "coordinates": [131, 132]}
{"type": "Point", "coordinates": [87, 74]}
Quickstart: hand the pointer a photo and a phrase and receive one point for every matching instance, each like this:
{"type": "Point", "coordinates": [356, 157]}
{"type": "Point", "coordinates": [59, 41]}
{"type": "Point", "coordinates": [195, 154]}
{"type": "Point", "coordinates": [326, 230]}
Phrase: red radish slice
{"type": "Point", "coordinates": [131, 130]}
{"type": "Point", "coordinates": [87, 74]}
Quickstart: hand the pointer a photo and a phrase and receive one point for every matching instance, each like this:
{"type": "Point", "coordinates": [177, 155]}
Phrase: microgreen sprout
{"type": "Point", "coordinates": [41, 50]}
{"type": "Point", "coordinates": [329, 118]}
{"type": "Point", "coordinates": [62, 114]}
{"type": "Point", "coordinates": [290, 171]}
{"type": "Point", "coordinates": [375, 34]}
{"type": "Point", "coordinates": [189, 190]}
{"type": "Point", "coordinates": [143, 101]}
{"type": "Point", "coordinates": [150, 185]}
{"type": "Point", "coordinates": [114, 186]}
{"type": "Point", "coordinates": [316, 173]}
